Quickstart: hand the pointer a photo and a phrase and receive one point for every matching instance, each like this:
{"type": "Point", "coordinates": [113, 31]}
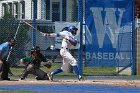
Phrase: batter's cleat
{"type": "Point", "coordinates": [80, 78]}
{"type": "Point", "coordinates": [50, 77]}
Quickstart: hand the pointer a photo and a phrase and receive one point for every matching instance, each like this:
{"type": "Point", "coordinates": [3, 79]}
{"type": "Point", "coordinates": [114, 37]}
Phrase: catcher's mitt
{"type": "Point", "coordinates": [48, 64]}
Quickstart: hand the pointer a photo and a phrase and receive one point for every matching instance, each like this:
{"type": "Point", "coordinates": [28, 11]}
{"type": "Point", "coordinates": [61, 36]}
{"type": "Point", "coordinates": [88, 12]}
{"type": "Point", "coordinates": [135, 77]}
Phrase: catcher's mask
{"type": "Point", "coordinates": [33, 50]}
{"type": "Point", "coordinates": [37, 49]}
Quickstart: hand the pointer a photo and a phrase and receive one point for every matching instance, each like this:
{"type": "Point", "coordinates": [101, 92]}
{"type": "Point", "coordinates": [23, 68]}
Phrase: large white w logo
{"type": "Point", "coordinates": [108, 24]}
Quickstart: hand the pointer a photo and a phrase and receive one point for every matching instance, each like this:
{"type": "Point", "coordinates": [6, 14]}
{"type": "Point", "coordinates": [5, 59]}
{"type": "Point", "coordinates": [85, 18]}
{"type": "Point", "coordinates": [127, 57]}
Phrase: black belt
{"type": "Point", "coordinates": [64, 48]}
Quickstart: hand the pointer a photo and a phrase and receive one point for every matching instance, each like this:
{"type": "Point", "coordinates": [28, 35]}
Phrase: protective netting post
{"type": "Point", "coordinates": [80, 19]}
{"type": "Point", "coordinates": [34, 22]}
{"type": "Point", "coordinates": [133, 41]}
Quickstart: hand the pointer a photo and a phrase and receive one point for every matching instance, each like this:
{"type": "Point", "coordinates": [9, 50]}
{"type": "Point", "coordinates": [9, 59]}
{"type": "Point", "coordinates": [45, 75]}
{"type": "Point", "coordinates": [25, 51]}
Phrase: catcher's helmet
{"type": "Point", "coordinates": [33, 49]}
{"type": "Point", "coordinates": [38, 49]}
{"type": "Point", "coordinates": [71, 28]}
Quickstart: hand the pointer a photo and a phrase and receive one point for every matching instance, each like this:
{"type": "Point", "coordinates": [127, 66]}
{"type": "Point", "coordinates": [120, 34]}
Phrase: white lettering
{"type": "Point", "coordinates": [111, 56]}
{"type": "Point", "coordinates": [94, 56]}
{"type": "Point", "coordinates": [88, 56]}
{"type": "Point", "coordinates": [117, 56]}
{"type": "Point", "coordinates": [107, 56]}
{"type": "Point", "coordinates": [110, 20]}
{"type": "Point", "coordinates": [99, 55]}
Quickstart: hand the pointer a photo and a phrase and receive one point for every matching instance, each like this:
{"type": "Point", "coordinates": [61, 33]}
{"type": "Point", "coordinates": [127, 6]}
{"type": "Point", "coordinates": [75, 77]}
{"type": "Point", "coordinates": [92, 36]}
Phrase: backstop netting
{"type": "Point", "coordinates": [107, 27]}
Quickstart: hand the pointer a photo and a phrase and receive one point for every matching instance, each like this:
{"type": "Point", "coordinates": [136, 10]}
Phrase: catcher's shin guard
{"type": "Point", "coordinates": [41, 75]}
{"type": "Point", "coordinates": [24, 74]}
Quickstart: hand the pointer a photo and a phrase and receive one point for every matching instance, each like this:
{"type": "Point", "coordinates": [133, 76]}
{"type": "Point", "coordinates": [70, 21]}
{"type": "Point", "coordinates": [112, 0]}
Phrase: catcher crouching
{"type": "Point", "coordinates": [33, 63]}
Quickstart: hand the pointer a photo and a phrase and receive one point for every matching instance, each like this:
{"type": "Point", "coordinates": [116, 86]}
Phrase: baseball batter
{"type": "Point", "coordinates": [68, 40]}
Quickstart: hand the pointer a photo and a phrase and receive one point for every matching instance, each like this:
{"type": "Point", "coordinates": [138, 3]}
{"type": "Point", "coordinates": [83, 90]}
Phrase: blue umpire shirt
{"type": "Point", "coordinates": [4, 48]}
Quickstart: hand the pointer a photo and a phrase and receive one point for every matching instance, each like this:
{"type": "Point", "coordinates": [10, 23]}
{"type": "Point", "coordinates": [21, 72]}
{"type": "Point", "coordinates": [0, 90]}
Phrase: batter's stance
{"type": "Point", "coordinates": [68, 39]}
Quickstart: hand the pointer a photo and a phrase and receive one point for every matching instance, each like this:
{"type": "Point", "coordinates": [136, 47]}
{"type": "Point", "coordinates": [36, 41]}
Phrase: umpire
{"type": "Point", "coordinates": [4, 51]}
{"type": "Point", "coordinates": [33, 63]}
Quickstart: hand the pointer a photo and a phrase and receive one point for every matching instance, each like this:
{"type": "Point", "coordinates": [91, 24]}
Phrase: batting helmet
{"type": "Point", "coordinates": [71, 28]}
{"type": "Point", "coordinates": [65, 29]}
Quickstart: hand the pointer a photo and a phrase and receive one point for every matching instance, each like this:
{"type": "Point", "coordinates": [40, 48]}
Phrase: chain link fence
{"type": "Point", "coordinates": [42, 14]}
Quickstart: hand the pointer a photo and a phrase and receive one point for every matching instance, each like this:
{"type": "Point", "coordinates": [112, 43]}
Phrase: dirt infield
{"type": "Point", "coordinates": [113, 82]}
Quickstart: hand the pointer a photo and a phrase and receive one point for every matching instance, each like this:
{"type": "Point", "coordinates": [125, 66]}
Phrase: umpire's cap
{"type": "Point", "coordinates": [71, 28]}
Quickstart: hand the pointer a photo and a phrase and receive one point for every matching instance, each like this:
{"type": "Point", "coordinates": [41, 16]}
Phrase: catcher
{"type": "Point", "coordinates": [33, 63]}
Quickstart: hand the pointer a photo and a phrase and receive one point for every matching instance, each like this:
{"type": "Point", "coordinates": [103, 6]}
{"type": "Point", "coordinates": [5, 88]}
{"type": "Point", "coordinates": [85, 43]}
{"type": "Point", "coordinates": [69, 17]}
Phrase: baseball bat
{"type": "Point", "coordinates": [15, 39]}
{"type": "Point", "coordinates": [28, 24]}
{"type": "Point", "coordinates": [33, 27]}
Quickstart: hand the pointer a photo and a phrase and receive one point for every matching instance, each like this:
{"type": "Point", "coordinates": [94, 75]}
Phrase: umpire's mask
{"type": "Point", "coordinates": [12, 42]}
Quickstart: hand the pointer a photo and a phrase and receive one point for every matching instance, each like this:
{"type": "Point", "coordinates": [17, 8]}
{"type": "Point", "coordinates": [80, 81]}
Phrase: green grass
{"type": "Point", "coordinates": [87, 71]}
{"type": "Point", "coordinates": [96, 71]}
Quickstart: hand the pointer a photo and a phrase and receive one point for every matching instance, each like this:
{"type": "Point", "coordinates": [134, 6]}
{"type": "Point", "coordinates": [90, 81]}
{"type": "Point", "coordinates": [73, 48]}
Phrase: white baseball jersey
{"type": "Point", "coordinates": [64, 52]}
{"type": "Point", "coordinates": [68, 36]}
